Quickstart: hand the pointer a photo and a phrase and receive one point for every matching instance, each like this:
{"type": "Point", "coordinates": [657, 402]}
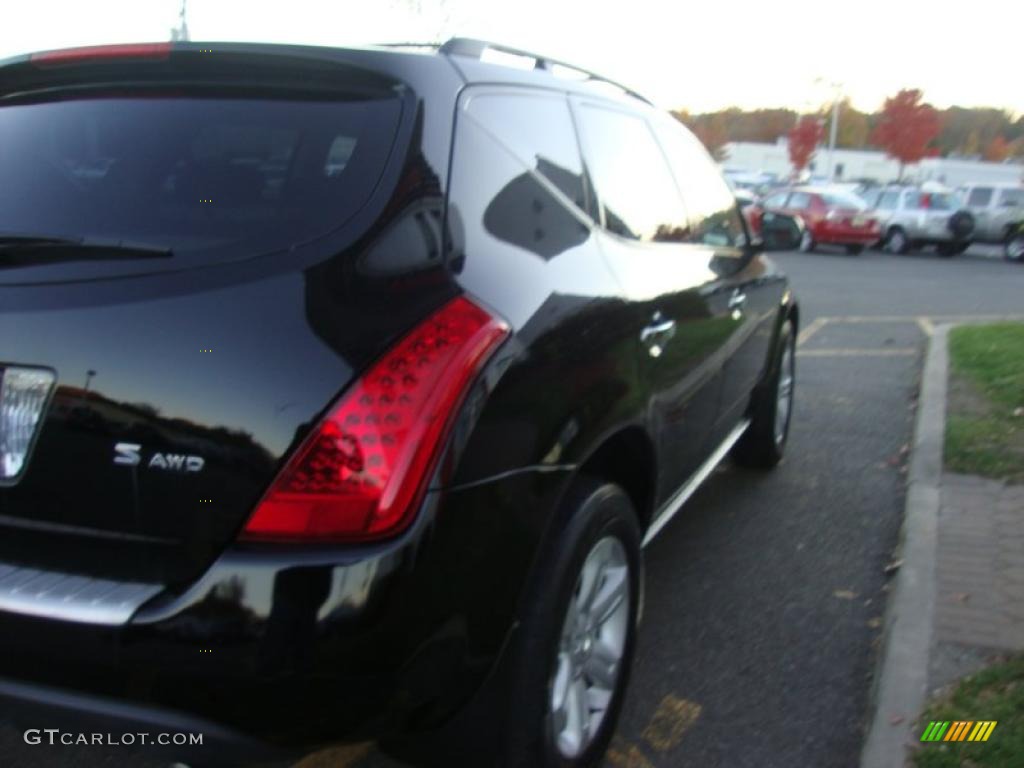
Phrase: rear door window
{"type": "Point", "coordinates": [206, 177]}
{"type": "Point", "coordinates": [638, 196]}
{"type": "Point", "coordinates": [979, 197]}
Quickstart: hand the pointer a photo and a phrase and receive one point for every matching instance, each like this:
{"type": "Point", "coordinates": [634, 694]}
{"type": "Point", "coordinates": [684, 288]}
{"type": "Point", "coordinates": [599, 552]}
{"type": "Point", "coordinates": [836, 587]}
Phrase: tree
{"type": "Point", "coordinates": [803, 140]}
{"type": "Point", "coordinates": [997, 150]}
{"type": "Point", "coordinates": [713, 133]}
{"type": "Point", "coordinates": [906, 127]}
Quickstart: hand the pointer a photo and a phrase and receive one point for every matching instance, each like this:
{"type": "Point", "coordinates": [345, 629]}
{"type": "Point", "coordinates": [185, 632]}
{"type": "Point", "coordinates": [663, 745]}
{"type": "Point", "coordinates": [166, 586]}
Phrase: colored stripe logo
{"type": "Point", "coordinates": [959, 730]}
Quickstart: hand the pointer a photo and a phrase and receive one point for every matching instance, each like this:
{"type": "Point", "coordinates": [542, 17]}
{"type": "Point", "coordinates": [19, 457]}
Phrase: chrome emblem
{"type": "Point", "coordinates": [130, 455]}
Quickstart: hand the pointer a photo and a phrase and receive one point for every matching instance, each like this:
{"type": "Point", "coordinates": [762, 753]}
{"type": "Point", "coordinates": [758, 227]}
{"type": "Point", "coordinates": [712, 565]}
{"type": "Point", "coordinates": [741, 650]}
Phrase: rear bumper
{"type": "Point", "coordinates": [287, 648]}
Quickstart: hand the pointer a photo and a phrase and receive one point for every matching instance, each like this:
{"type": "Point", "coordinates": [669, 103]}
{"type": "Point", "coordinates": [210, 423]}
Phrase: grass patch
{"type": "Point", "coordinates": [996, 693]}
{"type": "Point", "coordinates": [985, 423]}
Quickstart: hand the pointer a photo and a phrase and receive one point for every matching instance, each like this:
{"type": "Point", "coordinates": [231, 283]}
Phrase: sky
{"type": "Point", "coordinates": [697, 56]}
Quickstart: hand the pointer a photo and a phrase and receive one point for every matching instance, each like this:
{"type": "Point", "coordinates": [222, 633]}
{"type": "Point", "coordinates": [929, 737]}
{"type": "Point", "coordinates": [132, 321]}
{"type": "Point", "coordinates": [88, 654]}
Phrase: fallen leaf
{"type": "Point", "coordinates": [844, 594]}
{"type": "Point", "coordinates": [960, 597]}
{"type": "Point", "coordinates": [875, 622]}
{"type": "Point", "coordinates": [893, 566]}
{"type": "Point", "coordinates": [896, 719]}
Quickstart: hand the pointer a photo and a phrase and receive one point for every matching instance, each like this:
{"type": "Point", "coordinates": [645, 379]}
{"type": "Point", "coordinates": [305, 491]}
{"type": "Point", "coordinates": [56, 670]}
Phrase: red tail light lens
{"type": "Point", "coordinates": [364, 470]}
{"type": "Point", "coordinates": [157, 51]}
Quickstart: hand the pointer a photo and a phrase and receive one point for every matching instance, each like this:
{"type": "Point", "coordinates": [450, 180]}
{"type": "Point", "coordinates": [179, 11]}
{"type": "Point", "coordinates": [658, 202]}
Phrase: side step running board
{"type": "Point", "coordinates": [668, 511]}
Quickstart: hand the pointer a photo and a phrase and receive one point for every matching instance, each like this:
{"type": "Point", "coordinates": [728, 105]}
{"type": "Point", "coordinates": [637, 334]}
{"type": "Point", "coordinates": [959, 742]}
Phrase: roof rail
{"type": "Point", "coordinates": [408, 44]}
{"type": "Point", "coordinates": [473, 48]}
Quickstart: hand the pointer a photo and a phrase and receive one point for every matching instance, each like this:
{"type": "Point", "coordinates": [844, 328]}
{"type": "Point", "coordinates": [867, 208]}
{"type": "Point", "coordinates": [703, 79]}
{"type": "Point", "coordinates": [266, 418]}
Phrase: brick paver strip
{"type": "Point", "coordinates": [980, 564]}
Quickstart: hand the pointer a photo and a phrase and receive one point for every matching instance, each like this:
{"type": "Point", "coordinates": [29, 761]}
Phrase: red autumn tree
{"type": "Point", "coordinates": [803, 139]}
{"type": "Point", "coordinates": [997, 150]}
{"type": "Point", "coordinates": [906, 127]}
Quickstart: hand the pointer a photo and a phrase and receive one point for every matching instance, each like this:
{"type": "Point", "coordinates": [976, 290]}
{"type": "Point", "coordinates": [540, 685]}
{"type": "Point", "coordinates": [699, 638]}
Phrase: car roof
{"type": "Point", "coordinates": [467, 56]}
{"type": "Point", "coordinates": [995, 184]}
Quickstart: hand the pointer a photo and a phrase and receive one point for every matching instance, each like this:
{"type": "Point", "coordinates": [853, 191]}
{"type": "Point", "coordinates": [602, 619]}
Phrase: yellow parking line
{"type": "Point", "coordinates": [815, 325]}
{"type": "Point", "coordinates": [897, 352]}
{"type": "Point", "coordinates": [347, 756]}
{"type": "Point", "coordinates": [916, 318]}
{"type": "Point", "coordinates": [926, 326]}
{"type": "Point", "coordinates": [671, 720]}
{"type": "Point", "coordinates": [622, 755]}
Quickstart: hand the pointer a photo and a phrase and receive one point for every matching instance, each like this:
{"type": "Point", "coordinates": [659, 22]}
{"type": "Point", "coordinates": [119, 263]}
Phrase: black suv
{"type": "Point", "coordinates": [341, 390]}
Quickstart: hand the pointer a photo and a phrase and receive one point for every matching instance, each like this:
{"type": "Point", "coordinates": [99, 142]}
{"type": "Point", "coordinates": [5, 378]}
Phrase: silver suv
{"type": "Point", "coordinates": [912, 217]}
{"type": "Point", "coordinates": [998, 211]}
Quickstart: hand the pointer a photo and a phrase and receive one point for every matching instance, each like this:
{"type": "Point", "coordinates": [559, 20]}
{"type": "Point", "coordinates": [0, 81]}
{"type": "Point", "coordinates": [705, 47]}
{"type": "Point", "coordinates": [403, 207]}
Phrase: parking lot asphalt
{"type": "Point", "coordinates": [765, 595]}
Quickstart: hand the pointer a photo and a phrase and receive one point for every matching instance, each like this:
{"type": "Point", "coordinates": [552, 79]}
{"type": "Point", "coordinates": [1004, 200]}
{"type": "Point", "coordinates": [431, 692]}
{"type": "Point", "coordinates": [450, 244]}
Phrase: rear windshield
{"type": "Point", "coordinates": [205, 177]}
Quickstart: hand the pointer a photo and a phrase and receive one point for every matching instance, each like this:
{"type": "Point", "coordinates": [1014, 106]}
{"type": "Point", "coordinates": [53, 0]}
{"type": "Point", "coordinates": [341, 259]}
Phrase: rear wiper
{"type": "Point", "coordinates": [25, 249]}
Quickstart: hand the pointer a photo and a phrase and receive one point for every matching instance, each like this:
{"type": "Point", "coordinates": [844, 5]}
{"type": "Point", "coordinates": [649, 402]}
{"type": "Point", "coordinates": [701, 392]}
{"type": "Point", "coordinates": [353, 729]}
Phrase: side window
{"type": "Point", "coordinates": [1011, 198]}
{"type": "Point", "coordinates": [537, 128]}
{"type": "Point", "coordinates": [777, 200]}
{"type": "Point", "coordinates": [889, 200]}
{"type": "Point", "coordinates": [911, 200]}
{"type": "Point", "coordinates": [714, 217]}
{"type": "Point", "coordinates": [637, 195]}
{"type": "Point", "coordinates": [800, 201]}
{"type": "Point", "coordinates": [979, 197]}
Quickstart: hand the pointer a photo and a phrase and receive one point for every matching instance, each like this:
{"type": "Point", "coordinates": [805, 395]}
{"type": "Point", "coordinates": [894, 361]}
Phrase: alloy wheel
{"type": "Point", "coordinates": [784, 396]}
{"type": "Point", "coordinates": [591, 648]}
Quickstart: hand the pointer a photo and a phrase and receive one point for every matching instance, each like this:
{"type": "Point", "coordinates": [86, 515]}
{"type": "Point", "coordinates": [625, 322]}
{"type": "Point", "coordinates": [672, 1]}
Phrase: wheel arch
{"type": "Point", "coordinates": [627, 458]}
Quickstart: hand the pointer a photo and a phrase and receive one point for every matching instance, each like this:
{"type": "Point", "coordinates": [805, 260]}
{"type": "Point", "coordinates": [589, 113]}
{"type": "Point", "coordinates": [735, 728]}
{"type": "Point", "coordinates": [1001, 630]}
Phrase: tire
{"type": "Point", "coordinates": [896, 241]}
{"type": "Point", "coordinates": [855, 250]}
{"type": "Point", "coordinates": [764, 443]}
{"type": "Point", "coordinates": [549, 641]}
{"type": "Point", "coordinates": [946, 249]}
{"type": "Point", "coordinates": [807, 243]}
{"type": "Point", "coordinates": [961, 224]}
{"type": "Point", "coordinates": [1013, 248]}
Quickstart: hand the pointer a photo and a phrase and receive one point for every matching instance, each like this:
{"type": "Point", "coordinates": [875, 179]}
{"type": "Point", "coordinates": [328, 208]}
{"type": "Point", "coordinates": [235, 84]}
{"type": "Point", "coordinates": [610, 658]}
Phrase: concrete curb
{"type": "Point", "coordinates": [901, 679]}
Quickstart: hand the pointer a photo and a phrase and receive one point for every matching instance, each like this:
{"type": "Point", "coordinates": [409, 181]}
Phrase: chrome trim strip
{"type": "Point", "coordinates": [669, 509]}
{"type": "Point", "coordinates": [66, 597]}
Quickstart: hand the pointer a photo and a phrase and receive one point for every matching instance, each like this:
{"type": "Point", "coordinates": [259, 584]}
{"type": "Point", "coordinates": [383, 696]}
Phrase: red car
{"type": "Point", "coordinates": [831, 217]}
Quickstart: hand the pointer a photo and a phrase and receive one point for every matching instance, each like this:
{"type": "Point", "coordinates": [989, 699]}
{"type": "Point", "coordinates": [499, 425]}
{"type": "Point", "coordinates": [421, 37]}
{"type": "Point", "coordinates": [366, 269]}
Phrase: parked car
{"type": "Point", "coordinates": [830, 217]}
{"type": "Point", "coordinates": [998, 211]}
{"type": "Point", "coordinates": [912, 217]}
{"type": "Point", "coordinates": [391, 361]}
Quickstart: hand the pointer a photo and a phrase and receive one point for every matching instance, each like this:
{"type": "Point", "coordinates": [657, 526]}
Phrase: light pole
{"type": "Point", "coordinates": [833, 129]}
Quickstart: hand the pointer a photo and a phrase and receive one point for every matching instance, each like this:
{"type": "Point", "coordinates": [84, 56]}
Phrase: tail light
{"type": "Point", "coordinates": [364, 470]}
{"type": "Point", "coordinates": [23, 396]}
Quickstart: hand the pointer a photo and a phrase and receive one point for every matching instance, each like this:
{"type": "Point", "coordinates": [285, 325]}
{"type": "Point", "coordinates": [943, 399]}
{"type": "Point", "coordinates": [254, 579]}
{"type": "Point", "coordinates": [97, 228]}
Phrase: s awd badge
{"type": "Point", "coordinates": [130, 454]}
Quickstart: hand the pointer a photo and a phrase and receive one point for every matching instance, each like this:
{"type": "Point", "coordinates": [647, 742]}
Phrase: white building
{"type": "Point", "coordinates": [866, 164]}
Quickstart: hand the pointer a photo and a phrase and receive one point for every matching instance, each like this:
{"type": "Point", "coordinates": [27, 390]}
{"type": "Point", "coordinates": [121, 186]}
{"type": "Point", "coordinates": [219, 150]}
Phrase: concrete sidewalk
{"type": "Point", "coordinates": [958, 599]}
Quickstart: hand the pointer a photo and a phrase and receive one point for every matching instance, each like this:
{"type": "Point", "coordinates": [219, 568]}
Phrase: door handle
{"type": "Point", "coordinates": [658, 328]}
{"type": "Point", "coordinates": [657, 334]}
